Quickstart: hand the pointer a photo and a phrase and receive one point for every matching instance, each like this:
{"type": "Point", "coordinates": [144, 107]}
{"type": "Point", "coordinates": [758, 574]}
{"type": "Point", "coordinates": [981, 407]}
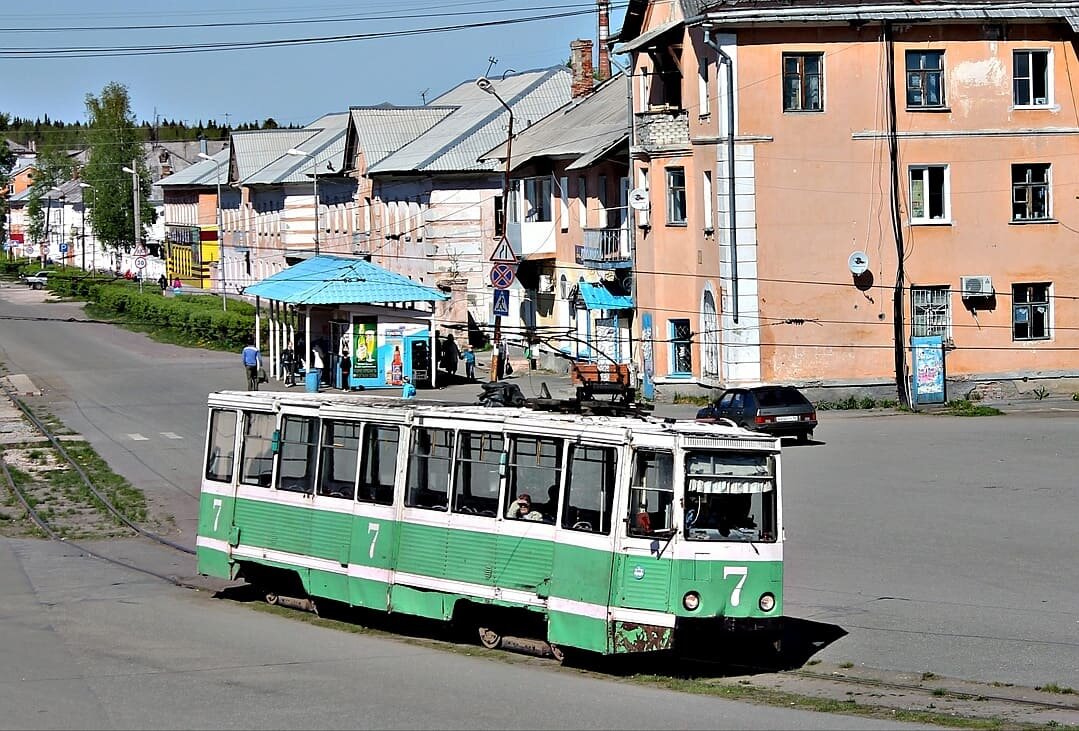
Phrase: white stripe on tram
{"type": "Point", "coordinates": [419, 581]}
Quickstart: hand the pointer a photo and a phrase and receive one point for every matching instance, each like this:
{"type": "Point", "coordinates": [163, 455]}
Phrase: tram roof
{"type": "Point", "coordinates": [336, 280]}
{"type": "Point", "coordinates": [394, 409]}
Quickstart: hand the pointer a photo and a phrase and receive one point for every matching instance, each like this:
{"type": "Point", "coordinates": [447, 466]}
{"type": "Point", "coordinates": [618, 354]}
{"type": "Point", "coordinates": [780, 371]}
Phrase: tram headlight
{"type": "Point", "coordinates": [767, 602]}
{"type": "Point", "coordinates": [691, 601]}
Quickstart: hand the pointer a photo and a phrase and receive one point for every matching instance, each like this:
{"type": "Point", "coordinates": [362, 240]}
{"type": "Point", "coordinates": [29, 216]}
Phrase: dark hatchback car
{"type": "Point", "coordinates": [778, 410]}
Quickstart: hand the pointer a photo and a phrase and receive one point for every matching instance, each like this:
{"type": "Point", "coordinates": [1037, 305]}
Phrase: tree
{"type": "Point", "coordinates": [53, 166]}
{"type": "Point", "coordinates": [7, 162]}
{"type": "Point", "coordinates": [115, 142]}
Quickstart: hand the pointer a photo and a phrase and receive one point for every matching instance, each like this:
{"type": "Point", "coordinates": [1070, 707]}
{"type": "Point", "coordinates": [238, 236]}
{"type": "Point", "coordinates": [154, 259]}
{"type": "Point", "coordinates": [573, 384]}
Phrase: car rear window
{"type": "Point", "coordinates": [780, 397]}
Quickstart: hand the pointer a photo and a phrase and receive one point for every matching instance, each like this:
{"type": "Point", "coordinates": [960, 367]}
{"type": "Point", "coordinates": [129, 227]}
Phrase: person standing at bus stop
{"type": "Point", "coordinates": [252, 362]}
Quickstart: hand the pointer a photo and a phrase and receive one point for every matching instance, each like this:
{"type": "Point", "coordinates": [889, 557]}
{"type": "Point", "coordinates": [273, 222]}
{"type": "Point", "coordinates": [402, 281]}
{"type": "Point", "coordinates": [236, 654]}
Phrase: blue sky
{"type": "Point", "coordinates": [294, 84]}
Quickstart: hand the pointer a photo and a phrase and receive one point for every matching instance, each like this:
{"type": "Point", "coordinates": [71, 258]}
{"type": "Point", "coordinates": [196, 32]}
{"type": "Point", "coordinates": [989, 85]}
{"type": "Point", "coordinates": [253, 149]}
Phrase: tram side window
{"type": "Point", "coordinates": [429, 468]}
{"type": "Point", "coordinates": [535, 468]}
{"type": "Point", "coordinates": [378, 469]}
{"type": "Point", "coordinates": [651, 494]}
{"type": "Point", "coordinates": [590, 489]}
{"type": "Point", "coordinates": [222, 453]}
{"type": "Point", "coordinates": [256, 467]}
{"type": "Point", "coordinates": [299, 453]}
{"type": "Point", "coordinates": [340, 449]}
{"type": "Point", "coordinates": [477, 479]}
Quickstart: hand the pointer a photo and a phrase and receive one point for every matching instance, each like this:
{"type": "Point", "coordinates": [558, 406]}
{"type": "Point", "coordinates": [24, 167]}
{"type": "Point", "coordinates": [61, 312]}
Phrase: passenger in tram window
{"type": "Point", "coordinates": [550, 510]}
{"type": "Point", "coordinates": [521, 509]}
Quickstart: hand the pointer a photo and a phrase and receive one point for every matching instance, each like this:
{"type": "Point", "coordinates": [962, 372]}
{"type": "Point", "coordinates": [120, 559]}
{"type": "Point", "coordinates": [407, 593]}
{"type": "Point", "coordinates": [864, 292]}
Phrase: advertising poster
{"type": "Point", "coordinates": [928, 369]}
{"type": "Point", "coordinates": [365, 347]}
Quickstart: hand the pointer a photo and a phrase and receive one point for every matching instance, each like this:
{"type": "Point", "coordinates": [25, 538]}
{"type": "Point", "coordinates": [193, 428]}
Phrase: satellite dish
{"type": "Point", "coordinates": [638, 199]}
{"type": "Point", "coordinates": [858, 263]}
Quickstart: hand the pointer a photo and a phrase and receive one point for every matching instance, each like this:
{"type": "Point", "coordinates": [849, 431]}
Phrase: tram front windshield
{"type": "Point", "coordinates": [730, 497]}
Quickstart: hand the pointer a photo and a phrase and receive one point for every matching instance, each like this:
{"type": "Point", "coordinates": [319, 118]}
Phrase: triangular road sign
{"type": "Point", "coordinates": [504, 253]}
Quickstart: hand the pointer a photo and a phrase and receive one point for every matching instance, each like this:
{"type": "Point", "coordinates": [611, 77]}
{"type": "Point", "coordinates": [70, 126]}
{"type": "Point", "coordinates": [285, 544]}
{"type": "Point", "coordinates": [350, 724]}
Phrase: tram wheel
{"type": "Point", "coordinates": [490, 638]}
{"type": "Point", "coordinates": [272, 597]}
{"type": "Point", "coordinates": [557, 652]}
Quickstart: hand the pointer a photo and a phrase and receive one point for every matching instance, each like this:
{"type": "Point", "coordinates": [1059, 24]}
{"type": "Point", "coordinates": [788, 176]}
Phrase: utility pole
{"type": "Point", "coordinates": [134, 170]}
{"type": "Point", "coordinates": [220, 233]}
{"type": "Point", "coordinates": [486, 85]}
{"type": "Point", "coordinates": [82, 235]}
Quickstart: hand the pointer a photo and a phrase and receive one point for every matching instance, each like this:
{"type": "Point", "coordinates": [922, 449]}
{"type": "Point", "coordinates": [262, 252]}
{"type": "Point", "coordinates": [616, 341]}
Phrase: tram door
{"type": "Point", "coordinates": [643, 567]}
{"type": "Point", "coordinates": [525, 549]}
{"type": "Point", "coordinates": [583, 559]}
{"type": "Point", "coordinates": [331, 520]}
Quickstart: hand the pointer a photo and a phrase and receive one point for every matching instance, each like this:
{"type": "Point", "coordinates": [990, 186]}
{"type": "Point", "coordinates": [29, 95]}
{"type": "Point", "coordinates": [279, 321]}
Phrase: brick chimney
{"type": "Point", "coordinates": [604, 9]}
{"type": "Point", "coordinates": [580, 54]}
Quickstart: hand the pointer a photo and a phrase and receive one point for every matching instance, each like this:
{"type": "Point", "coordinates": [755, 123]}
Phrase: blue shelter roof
{"type": "Point", "coordinates": [598, 297]}
{"type": "Point", "coordinates": [337, 280]}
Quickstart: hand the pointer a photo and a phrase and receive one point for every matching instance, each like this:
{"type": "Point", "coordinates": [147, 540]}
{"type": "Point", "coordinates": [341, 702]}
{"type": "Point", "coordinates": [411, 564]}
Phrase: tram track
{"type": "Point", "coordinates": [97, 494]}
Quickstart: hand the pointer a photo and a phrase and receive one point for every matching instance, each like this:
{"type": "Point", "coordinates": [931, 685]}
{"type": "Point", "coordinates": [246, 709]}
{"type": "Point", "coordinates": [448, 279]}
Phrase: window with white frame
{"type": "Point", "coordinates": [1031, 316]}
{"type": "Point", "coordinates": [1031, 78]}
{"type": "Point", "coordinates": [802, 74]}
{"type": "Point", "coordinates": [563, 203]}
{"type": "Point", "coordinates": [582, 200]}
{"type": "Point", "coordinates": [706, 193]}
{"type": "Point", "coordinates": [929, 194]}
{"type": "Point", "coordinates": [931, 311]}
{"type": "Point", "coordinates": [1030, 192]}
{"type": "Point", "coordinates": [676, 196]}
{"type": "Point", "coordinates": [642, 183]}
{"type": "Point", "coordinates": [681, 350]}
{"type": "Point", "coordinates": [537, 199]}
{"type": "Point", "coordinates": [601, 195]}
{"type": "Point", "coordinates": [704, 104]}
{"type": "Point", "coordinates": [925, 79]}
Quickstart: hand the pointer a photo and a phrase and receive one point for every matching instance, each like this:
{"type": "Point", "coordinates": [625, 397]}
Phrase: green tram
{"type": "Point", "coordinates": [644, 534]}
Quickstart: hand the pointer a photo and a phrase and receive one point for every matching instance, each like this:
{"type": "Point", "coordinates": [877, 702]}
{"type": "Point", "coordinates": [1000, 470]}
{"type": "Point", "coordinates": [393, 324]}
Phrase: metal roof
{"type": "Point", "coordinates": [598, 297]}
{"type": "Point", "coordinates": [336, 280]}
{"type": "Point", "coordinates": [456, 143]}
{"type": "Point", "coordinates": [201, 173]}
{"type": "Point", "coordinates": [585, 128]}
{"type": "Point", "coordinates": [327, 144]}
{"type": "Point", "coordinates": [385, 129]}
{"type": "Point", "coordinates": [734, 13]}
{"type": "Point", "coordinates": [255, 149]}
{"type": "Point", "coordinates": [646, 38]}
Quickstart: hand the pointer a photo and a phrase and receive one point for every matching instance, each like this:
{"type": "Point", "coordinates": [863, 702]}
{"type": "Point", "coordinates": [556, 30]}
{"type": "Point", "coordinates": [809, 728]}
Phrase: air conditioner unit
{"type": "Point", "coordinates": [974, 287]}
{"type": "Point", "coordinates": [546, 283]}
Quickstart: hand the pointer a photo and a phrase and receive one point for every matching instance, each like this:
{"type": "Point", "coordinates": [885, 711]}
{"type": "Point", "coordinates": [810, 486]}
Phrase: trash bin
{"type": "Point", "coordinates": [311, 381]}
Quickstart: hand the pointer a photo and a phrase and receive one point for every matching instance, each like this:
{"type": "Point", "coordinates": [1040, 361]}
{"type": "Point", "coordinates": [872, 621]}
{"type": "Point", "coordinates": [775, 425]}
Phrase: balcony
{"type": "Point", "coordinates": [605, 248]}
{"type": "Point", "coordinates": [532, 239]}
{"type": "Point", "coordinates": [661, 129]}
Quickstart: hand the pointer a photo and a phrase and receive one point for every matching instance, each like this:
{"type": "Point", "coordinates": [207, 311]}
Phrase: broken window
{"type": "Point", "coordinates": [1030, 192]}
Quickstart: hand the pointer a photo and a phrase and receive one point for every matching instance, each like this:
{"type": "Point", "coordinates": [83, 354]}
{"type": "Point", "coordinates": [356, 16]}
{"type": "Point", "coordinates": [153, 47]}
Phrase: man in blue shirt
{"type": "Point", "coordinates": [252, 363]}
{"type": "Point", "coordinates": [408, 391]}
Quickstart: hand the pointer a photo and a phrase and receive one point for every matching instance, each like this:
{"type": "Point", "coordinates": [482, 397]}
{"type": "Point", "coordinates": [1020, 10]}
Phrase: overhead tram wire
{"type": "Point", "coordinates": [112, 51]}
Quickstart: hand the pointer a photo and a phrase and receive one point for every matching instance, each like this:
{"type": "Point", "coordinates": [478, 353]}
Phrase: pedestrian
{"type": "Point", "coordinates": [346, 367]}
{"type": "Point", "coordinates": [288, 365]}
{"type": "Point", "coordinates": [408, 391]}
{"type": "Point", "coordinates": [163, 283]}
{"type": "Point", "coordinates": [316, 364]}
{"type": "Point", "coordinates": [252, 364]}
{"type": "Point", "coordinates": [450, 356]}
{"type": "Point", "coordinates": [469, 358]}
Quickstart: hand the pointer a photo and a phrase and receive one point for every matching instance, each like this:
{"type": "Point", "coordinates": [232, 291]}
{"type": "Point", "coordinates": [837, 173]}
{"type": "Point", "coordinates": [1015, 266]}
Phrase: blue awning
{"type": "Point", "coordinates": [598, 297]}
{"type": "Point", "coordinates": [338, 280]}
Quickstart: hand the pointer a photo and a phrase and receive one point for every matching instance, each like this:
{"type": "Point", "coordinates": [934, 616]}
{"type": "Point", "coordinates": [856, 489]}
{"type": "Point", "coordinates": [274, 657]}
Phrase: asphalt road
{"type": "Point", "coordinates": [914, 542]}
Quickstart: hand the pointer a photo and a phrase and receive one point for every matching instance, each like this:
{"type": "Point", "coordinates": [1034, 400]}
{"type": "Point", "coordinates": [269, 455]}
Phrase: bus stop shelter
{"type": "Point", "coordinates": [359, 310]}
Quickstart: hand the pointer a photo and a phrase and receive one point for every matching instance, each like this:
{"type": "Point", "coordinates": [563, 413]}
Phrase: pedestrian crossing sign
{"type": "Point", "coordinates": [500, 305]}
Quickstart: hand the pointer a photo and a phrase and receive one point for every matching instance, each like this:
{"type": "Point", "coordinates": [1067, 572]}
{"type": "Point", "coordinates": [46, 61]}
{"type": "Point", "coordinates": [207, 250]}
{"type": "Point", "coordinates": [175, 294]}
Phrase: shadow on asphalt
{"type": "Point", "coordinates": [721, 654]}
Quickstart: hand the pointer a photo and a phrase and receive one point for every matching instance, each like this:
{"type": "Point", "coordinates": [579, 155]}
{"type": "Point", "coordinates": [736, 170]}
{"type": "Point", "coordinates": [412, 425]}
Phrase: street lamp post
{"type": "Point", "coordinates": [82, 236]}
{"type": "Point", "coordinates": [314, 171]}
{"type": "Point", "coordinates": [138, 222]}
{"type": "Point", "coordinates": [485, 85]}
{"type": "Point", "coordinates": [220, 232]}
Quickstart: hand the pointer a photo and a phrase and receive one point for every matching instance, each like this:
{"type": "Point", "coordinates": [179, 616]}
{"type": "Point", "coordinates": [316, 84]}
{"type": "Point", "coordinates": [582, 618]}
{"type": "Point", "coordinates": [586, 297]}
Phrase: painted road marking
{"type": "Point", "coordinates": [138, 438]}
{"type": "Point", "coordinates": [171, 435]}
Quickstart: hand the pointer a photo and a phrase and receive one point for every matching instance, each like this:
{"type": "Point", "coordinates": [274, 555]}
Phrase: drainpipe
{"type": "Point", "coordinates": [731, 199]}
{"type": "Point", "coordinates": [631, 224]}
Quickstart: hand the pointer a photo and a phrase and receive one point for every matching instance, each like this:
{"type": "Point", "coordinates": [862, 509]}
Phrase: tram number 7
{"type": "Point", "coordinates": [217, 511]}
{"type": "Point", "coordinates": [743, 571]}
{"type": "Point", "coordinates": [372, 528]}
